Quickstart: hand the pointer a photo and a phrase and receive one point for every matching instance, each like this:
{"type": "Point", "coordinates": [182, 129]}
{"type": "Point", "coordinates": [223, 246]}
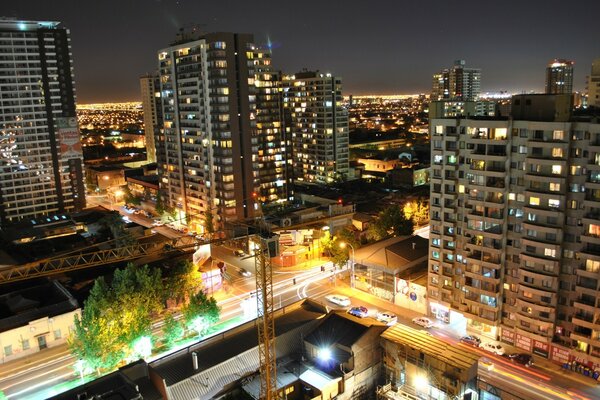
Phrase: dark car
{"type": "Point", "coordinates": [522, 358]}
{"type": "Point", "coordinates": [471, 340]}
{"type": "Point", "coordinates": [360, 312]}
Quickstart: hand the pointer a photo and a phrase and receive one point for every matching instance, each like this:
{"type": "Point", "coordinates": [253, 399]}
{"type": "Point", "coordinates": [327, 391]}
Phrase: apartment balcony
{"type": "Point", "coordinates": [584, 320]}
{"type": "Point", "coordinates": [591, 239]}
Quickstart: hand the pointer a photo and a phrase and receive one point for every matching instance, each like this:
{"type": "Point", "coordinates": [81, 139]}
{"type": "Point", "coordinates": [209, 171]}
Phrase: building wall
{"type": "Point", "coordinates": [594, 85]}
{"type": "Point", "coordinates": [514, 235]}
{"type": "Point", "coordinates": [150, 90]}
{"type": "Point", "coordinates": [25, 340]}
{"type": "Point", "coordinates": [317, 125]}
{"type": "Point", "coordinates": [39, 136]}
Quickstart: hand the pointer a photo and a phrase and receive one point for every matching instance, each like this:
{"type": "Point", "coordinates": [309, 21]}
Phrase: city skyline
{"type": "Point", "coordinates": [380, 49]}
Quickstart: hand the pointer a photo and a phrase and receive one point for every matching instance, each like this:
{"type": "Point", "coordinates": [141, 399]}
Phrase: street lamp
{"type": "Point", "coordinates": [343, 246]}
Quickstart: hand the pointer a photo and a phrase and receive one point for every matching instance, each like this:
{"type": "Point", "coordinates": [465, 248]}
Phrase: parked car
{"type": "Point", "coordinates": [239, 253]}
{"type": "Point", "coordinates": [522, 358]}
{"type": "Point", "coordinates": [493, 348]}
{"type": "Point", "coordinates": [360, 311]}
{"type": "Point", "coordinates": [387, 318]}
{"type": "Point", "coordinates": [471, 340]}
{"type": "Point", "coordinates": [338, 299]}
{"type": "Point", "coordinates": [422, 321]}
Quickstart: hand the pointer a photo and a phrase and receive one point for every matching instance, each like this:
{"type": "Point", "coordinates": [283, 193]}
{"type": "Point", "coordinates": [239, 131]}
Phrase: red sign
{"type": "Point", "coordinates": [508, 336]}
{"type": "Point", "coordinates": [540, 348]}
{"type": "Point", "coordinates": [523, 342]}
{"type": "Point", "coordinates": [559, 355]}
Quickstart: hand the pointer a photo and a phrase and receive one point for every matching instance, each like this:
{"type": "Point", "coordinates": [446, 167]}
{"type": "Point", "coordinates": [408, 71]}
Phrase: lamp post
{"type": "Point", "coordinates": [343, 246]}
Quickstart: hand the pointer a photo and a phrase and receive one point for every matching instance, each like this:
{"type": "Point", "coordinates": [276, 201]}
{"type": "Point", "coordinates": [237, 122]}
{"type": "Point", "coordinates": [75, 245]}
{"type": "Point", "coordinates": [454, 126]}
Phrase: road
{"type": "Point", "coordinates": [38, 377]}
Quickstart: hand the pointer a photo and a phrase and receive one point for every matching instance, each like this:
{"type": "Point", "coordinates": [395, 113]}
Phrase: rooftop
{"type": "Point", "coordinates": [337, 329]}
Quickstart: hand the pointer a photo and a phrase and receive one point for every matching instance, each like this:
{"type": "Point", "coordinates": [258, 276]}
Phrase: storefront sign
{"type": "Point", "coordinates": [508, 336]}
{"type": "Point", "coordinates": [523, 342]}
{"type": "Point", "coordinates": [559, 355]}
{"type": "Point", "coordinates": [540, 348]}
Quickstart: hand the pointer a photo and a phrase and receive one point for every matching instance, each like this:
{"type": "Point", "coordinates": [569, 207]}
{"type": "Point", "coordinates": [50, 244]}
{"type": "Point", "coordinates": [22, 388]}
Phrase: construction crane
{"type": "Point", "coordinates": [265, 323]}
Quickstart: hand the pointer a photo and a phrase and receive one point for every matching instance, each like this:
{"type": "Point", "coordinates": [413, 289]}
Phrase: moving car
{"type": "Point", "coordinates": [360, 312]}
{"type": "Point", "coordinates": [493, 348]}
{"type": "Point", "coordinates": [244, 272]}
{"type": "Point", "coordinates": [387, 318]}
{"type": "Point", "coordinates": [522, 358]}
{"type": "Point", "coordinates": [239, 253]}
{"type": "Point", "coordinates": [338, 299]}
{"type": "Point", "coordinates": [422, 321]}
{"type": "Point", "coordinates": [471, 340]}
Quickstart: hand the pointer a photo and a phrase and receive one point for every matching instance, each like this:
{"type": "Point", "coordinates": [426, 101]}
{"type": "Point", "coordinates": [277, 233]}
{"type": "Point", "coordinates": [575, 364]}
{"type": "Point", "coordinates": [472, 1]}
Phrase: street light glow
{"type": "Point", "coordinates": [421, 382]}
{"type": "Point", "coordinates": [324, 354]}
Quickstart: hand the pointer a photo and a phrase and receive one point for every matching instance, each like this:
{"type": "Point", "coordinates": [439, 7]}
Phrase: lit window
{"type": "Point", "coordinates": [557, 152]}
{"type": "Point", "coordinates": [554, 187]}
{"type": "Point", "coordinates": [555, 203]}
{"type": "Point", "coordinates": [549, 252]}
{"type": "Point", "coordinates": [534, 201]}
{"type": "Point", "coordinates": [556, 169]}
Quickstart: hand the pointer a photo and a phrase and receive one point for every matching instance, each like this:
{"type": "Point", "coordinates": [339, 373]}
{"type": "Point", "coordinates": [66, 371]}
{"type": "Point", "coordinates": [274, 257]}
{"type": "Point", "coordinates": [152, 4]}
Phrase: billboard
{"type": "Point", "coordinates": [68, 138]}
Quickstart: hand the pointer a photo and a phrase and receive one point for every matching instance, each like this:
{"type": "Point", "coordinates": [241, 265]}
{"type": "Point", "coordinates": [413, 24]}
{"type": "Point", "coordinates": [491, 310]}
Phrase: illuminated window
{"type": "Point", "coordinates": [549, 252]}
{"type": "Point", "coordinates": [557, 152]}
{"type": "Point", "coordinates": [558, 135]}
{"type": "Point", "coordinates": [594, 230]}
{"type": "Point", "coordinates": [529, 295]}
{"type": "Point", "coordinates": [556, 169]}
{"type": "Point", "coordinates": [592, 265]}
{"type": "Point", "coordinates": [554, 187]}
{"type": "Point", "coordinates": [534, 201]}
{"type": "Point", "coordinates": [555, 203]}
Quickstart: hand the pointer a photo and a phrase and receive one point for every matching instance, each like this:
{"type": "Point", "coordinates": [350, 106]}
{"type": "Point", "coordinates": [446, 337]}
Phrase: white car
{"type": "Point", "coordinates": [387, 318]}
{"type": "Point", "coordinates": [492, 347]}
{"type": "Point", "coordinates": [338, 299]}
{"type": "Point", "coordinates": [422, 321]}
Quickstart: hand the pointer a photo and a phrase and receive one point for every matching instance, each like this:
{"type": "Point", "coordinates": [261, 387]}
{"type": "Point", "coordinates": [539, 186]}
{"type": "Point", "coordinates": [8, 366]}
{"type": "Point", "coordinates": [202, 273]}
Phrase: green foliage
{"type": "Point", "coordinates": [418, 211]}
{"type": "Point", "coordinates": [172, 331]}
{"type": "Point", "coordinates": [116, 315]}
{"type": "Point", "coordinates": [201, 308]}
{"type": "Point", "coordinates": [208, 222]}
{"type": "Point", "coordinates": [114, 222]}
{"type": "Point", "coordinates": [332, 245]}
{"type": "Point", "coordinates": [391, 222]}
{"type": "Point", "coordinates": [160, 203]}
{"type": "Point", "coordinates": [183, 280]}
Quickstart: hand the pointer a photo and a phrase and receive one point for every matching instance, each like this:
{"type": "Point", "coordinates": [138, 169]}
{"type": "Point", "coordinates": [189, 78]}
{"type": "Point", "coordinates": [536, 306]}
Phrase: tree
{"type": "Point", "coordinates": [391, 222]}
{"type": "Point", "coordinates": [172, 331]}
{"type": "Point", "coordinates": [201, 312]}
{"type": "Point", "coordinates": [160, 203]}
{"type": "Point", "coordinates": [95, 339]}
{"type": "Point", "coordinates": [208, 222]}
{"type": "Point", "coordinates": [115, 317]}
{"type": "Point", "coordinates": [418, 211]}
{"type": "Point", "coordinates": [114, 222]}
{"type": "Point", "coordinates": [183, 280]}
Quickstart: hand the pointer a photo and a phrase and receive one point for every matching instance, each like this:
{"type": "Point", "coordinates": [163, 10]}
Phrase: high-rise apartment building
{"type": "Point", "coordinates": [221, 127]}
{"type": "Point", "coordinates": [594, 85]}
{"type": "Point", "coordinates": [559, 77]}
{"type": "Point", "coordinates": [40, 149]}
{"type": "Point", "coordinates": [515, 227]}
{"type": "Point", "coordinates": [150, 90]}
{"type": "Point", "coordinates": [317, 125]}
{"type": "Point", "coordinates": [458, 83]}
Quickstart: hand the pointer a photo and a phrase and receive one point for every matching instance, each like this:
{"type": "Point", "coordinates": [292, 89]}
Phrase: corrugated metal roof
{"type": "Point", "coordinates": [223, 360]}
{"type": "Point", "coordinates": [416, 339]}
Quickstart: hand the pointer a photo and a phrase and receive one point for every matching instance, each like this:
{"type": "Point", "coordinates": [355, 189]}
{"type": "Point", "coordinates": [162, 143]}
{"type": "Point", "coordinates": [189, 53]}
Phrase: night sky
{"type": "Point", "coordinates": [381, 47]}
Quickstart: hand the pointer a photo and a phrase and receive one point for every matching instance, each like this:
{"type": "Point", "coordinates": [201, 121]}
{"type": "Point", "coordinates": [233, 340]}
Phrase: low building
{"type": "Point", "coordinates": [346, 357]}
{"type": "Point", "coordinates": [418, 365]}
{"type": "Point", "coordinates": [380, 269]}
{"type": "Point", "coordinates": [103, 177]}
{"type": "Point", "coordinates": [35, 318]}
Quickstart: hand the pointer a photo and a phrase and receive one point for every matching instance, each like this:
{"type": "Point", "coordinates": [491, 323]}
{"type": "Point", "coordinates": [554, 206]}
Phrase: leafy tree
{"type": "Point", "coordinates": [184, 279]}
{"type": "Point", "coordinates": [114, 222]}
{"type": "Point", "coordinates": [347, 236]}
{"type": "Point", "coordinates": [96, 336]}
{"type": "Point", "coordinates": [115, 316]}
{"type": "Point", "coordinates": [331, 245]}
{"type": "Point", "coordinates": [418, 211]}
{"type": "Point", "coordinates": [208, 222]}
{"type": "Point", "coordinates": [172, 331]}
{"type": "Point", "coordinates": [160, 203]}
{"type": "Point", "coordinates": [391, 222]}
{"type": "Point", "coordinates": [201, 312]}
